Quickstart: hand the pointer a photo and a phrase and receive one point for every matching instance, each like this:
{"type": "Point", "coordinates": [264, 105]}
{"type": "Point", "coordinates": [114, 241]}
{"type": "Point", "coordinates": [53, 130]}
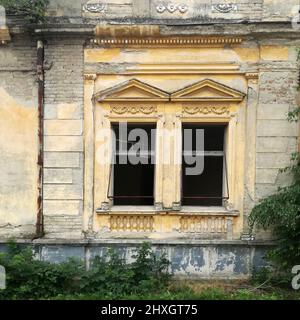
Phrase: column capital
{"type": "Point", "coordinates": [90, 76]}
{"type": "Point", "coordinates": [252, 76]}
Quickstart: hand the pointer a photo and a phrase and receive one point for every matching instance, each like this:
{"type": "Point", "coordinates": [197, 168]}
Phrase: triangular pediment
{"type": "Point", "coordinates": [132, 90]}
{"type": "Point", "coordinates": [207, 90]}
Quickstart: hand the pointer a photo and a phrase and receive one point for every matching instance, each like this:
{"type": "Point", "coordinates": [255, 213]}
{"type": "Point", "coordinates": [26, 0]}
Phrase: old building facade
{"type": "Point", "coordinates": [229, 68]}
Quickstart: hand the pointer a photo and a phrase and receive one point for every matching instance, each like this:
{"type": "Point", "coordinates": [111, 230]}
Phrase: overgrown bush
{"type": "Point", "coordinates": [33, 10]}
{"type": "Point", "coordinates": [280, 213]}
{"type": "Point", "coordinates": [107, 277]}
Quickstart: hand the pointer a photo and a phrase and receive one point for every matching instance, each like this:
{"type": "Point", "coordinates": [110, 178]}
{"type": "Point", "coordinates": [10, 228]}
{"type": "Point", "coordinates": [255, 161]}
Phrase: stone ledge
{"type": "Point", "coordinates": [185, 211]}
{"type": "Point", "coordinates": [173, 242]}
{"type": "Point", "coordinates": [175, 27]}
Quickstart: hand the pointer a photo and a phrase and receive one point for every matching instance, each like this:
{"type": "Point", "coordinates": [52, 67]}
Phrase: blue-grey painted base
{"type": "Point", "coordinates": [194, 259]}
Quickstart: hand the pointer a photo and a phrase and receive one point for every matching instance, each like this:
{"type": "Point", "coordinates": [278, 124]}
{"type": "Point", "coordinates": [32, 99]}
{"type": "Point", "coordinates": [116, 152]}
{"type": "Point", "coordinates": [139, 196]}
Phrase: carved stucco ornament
{"type": "Point", "coordinates": [224, 7]}
{"type": "Point", "coordinates": [94, 7]}
{"type": "Point", "coordinates": [160, 8]}
{"type": "Point", "coordinates": [228, 205]}
{"type": "Point", "coordinates": [133, 109]}
{"type": "Point", "coordinates": [171, 7]}
{"type": "Point", "coordinates": [206, 110]}
{"type": "Point", "coordinates": [183, 8]}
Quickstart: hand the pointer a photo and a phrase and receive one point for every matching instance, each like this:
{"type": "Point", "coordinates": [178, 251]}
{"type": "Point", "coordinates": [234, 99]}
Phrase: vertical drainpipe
{"type": "Point", "coordinates": [40, 78]}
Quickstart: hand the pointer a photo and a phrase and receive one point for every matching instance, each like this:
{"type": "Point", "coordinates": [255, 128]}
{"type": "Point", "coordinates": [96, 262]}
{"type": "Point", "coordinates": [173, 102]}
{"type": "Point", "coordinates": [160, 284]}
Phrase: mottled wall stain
{"type": "Point", "coordinates": [186, 261]}
{"type": "Point", "coordinates": [18, 149]}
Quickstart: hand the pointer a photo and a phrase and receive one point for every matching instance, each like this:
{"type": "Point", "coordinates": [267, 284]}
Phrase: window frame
{"type": "Point", "coordinates": [229, 149]}
{"type": "Point", "coordinates": [102, 171]}
{"type": "Point", "coordinates": [184, 109]}
{"type": "Point", "coordinates": [225, 187]}
{"type": "Point", "coordinates": [110, 189]}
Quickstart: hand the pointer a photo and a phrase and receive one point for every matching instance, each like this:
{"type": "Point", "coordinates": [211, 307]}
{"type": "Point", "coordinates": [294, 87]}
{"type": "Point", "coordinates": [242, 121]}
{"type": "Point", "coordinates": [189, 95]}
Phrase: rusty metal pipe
{"type": "Point", "coordinates": [40, 79]}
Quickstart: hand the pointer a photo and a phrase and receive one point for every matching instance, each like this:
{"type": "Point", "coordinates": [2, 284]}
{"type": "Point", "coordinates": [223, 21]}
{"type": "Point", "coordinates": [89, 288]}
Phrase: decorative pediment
{"type": "Point", "coordinates": [132, 90]}
{"type": "Point", "coordinates": [207, 90]}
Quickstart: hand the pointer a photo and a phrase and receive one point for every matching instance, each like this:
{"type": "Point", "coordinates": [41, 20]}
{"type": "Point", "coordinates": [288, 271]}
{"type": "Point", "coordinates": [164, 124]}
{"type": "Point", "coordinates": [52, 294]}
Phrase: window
{"type": "Point", "coordinates": [160, 182]}
{"type": "Point", "coordinates": [206, 187]}
{"type": "Point", "coordinates": [132, 171]}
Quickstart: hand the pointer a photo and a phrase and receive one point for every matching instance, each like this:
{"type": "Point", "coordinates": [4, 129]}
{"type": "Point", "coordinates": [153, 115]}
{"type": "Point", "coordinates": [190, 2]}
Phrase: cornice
{"type": "Point", "coordinates": [166, 41]}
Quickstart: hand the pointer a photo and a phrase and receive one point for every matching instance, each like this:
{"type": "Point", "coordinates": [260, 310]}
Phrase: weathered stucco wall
{"type": "Point", "coordinates": [269, 50]}
{"type": "Point", "coordinates": [18, 139]}
{"type": "Point", "coordinates": [276, 138]}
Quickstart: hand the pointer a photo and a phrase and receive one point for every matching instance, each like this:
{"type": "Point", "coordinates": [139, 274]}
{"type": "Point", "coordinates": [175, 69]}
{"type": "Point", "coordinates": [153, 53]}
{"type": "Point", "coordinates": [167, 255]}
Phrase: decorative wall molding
{"type": "Point", "coordinates": [126, 30]}
{"type": "Point", "coordinates": [171, 8]}
{"type": "Point", "coordinates": [132, 90]}
{"type": "Point", "coordinates": [94, 7]}
{"type": "Point", "coordinates": [203, 225]}
{"type": "Point", "coordinates": [131, 223]}
{"type": "Point", "coordinates": [206, 110]}
{"type": "Point", "coordinates": [177, 68]}
{"type": "Point", "coordinates": [207, 90]}
{"type": "Point", "coordinates": [133, 109]}
{"type": "Point", "coordinates": [186, 41]}
{"type": "Point", "coordinates": [224, 7]}
{"type": "Point", "coordinates": [136, 91]}
{"type": "Point", "coordinates": [252, 75]}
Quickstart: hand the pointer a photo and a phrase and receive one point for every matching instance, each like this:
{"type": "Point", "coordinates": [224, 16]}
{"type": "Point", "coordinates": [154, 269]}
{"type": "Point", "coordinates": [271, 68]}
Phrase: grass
{"type": "Point", "coordinates": [203, 290]}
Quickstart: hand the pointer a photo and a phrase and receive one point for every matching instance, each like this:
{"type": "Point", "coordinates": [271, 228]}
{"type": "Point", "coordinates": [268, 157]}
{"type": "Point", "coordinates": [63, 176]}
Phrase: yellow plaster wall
{"type": "Point", "coordinates": [18, 162]}
{"type": "Point", "coordinates": [176, 60]}
{"type": "Point", "coordinates": [275, 53]}
{"type": "Point", "coordinates": [164, 55]}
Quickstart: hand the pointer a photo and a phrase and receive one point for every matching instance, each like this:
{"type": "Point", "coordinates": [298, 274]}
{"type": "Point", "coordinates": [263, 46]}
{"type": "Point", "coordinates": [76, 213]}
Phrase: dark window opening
{"type": "Point", "coordinates": [207, 188]}
{"type": "Point", "coordinates": [133, 183]}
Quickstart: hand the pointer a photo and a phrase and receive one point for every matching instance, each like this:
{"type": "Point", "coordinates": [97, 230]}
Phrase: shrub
{"type": "Point", "coordinates": [281, 214]}
{"type": "Point", "coordinates": [107, 277]}
{"type": "Point", "coordinates": [33, 10]}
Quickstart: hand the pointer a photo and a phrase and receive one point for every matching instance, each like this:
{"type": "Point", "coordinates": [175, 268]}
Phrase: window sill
{"type": "Point", "coordinates": [185, 210]}
{"type": "Point", "coordinates": [206, 211]}
{"type": "Point", "coordinates": [128, 210]}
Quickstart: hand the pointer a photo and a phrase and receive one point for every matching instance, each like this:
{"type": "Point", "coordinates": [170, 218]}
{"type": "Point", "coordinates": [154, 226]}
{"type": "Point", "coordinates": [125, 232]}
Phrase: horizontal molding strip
{"type": "Point", "coordinates": [183, 41]}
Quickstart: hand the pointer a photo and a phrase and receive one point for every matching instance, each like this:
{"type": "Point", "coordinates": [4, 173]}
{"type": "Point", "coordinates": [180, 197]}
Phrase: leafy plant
{"type": "Point", "coordinates": [108, 277]}
{"type": "Point", "coordinates": [112, 276]}
{"type": "Point", "coordinates": [33, 10]}
{"type": "Point", "coordinates": [150, 270]}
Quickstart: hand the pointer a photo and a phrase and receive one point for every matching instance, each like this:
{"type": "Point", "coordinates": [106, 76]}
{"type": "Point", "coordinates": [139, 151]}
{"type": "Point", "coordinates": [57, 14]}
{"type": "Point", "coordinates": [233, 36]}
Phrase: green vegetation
{"type": "Point", "coordinates": [187, 293]}
{"type": "Point", "coordinates": [33, 10]}
{"type": "Point", "coordinates": [108, 277]}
